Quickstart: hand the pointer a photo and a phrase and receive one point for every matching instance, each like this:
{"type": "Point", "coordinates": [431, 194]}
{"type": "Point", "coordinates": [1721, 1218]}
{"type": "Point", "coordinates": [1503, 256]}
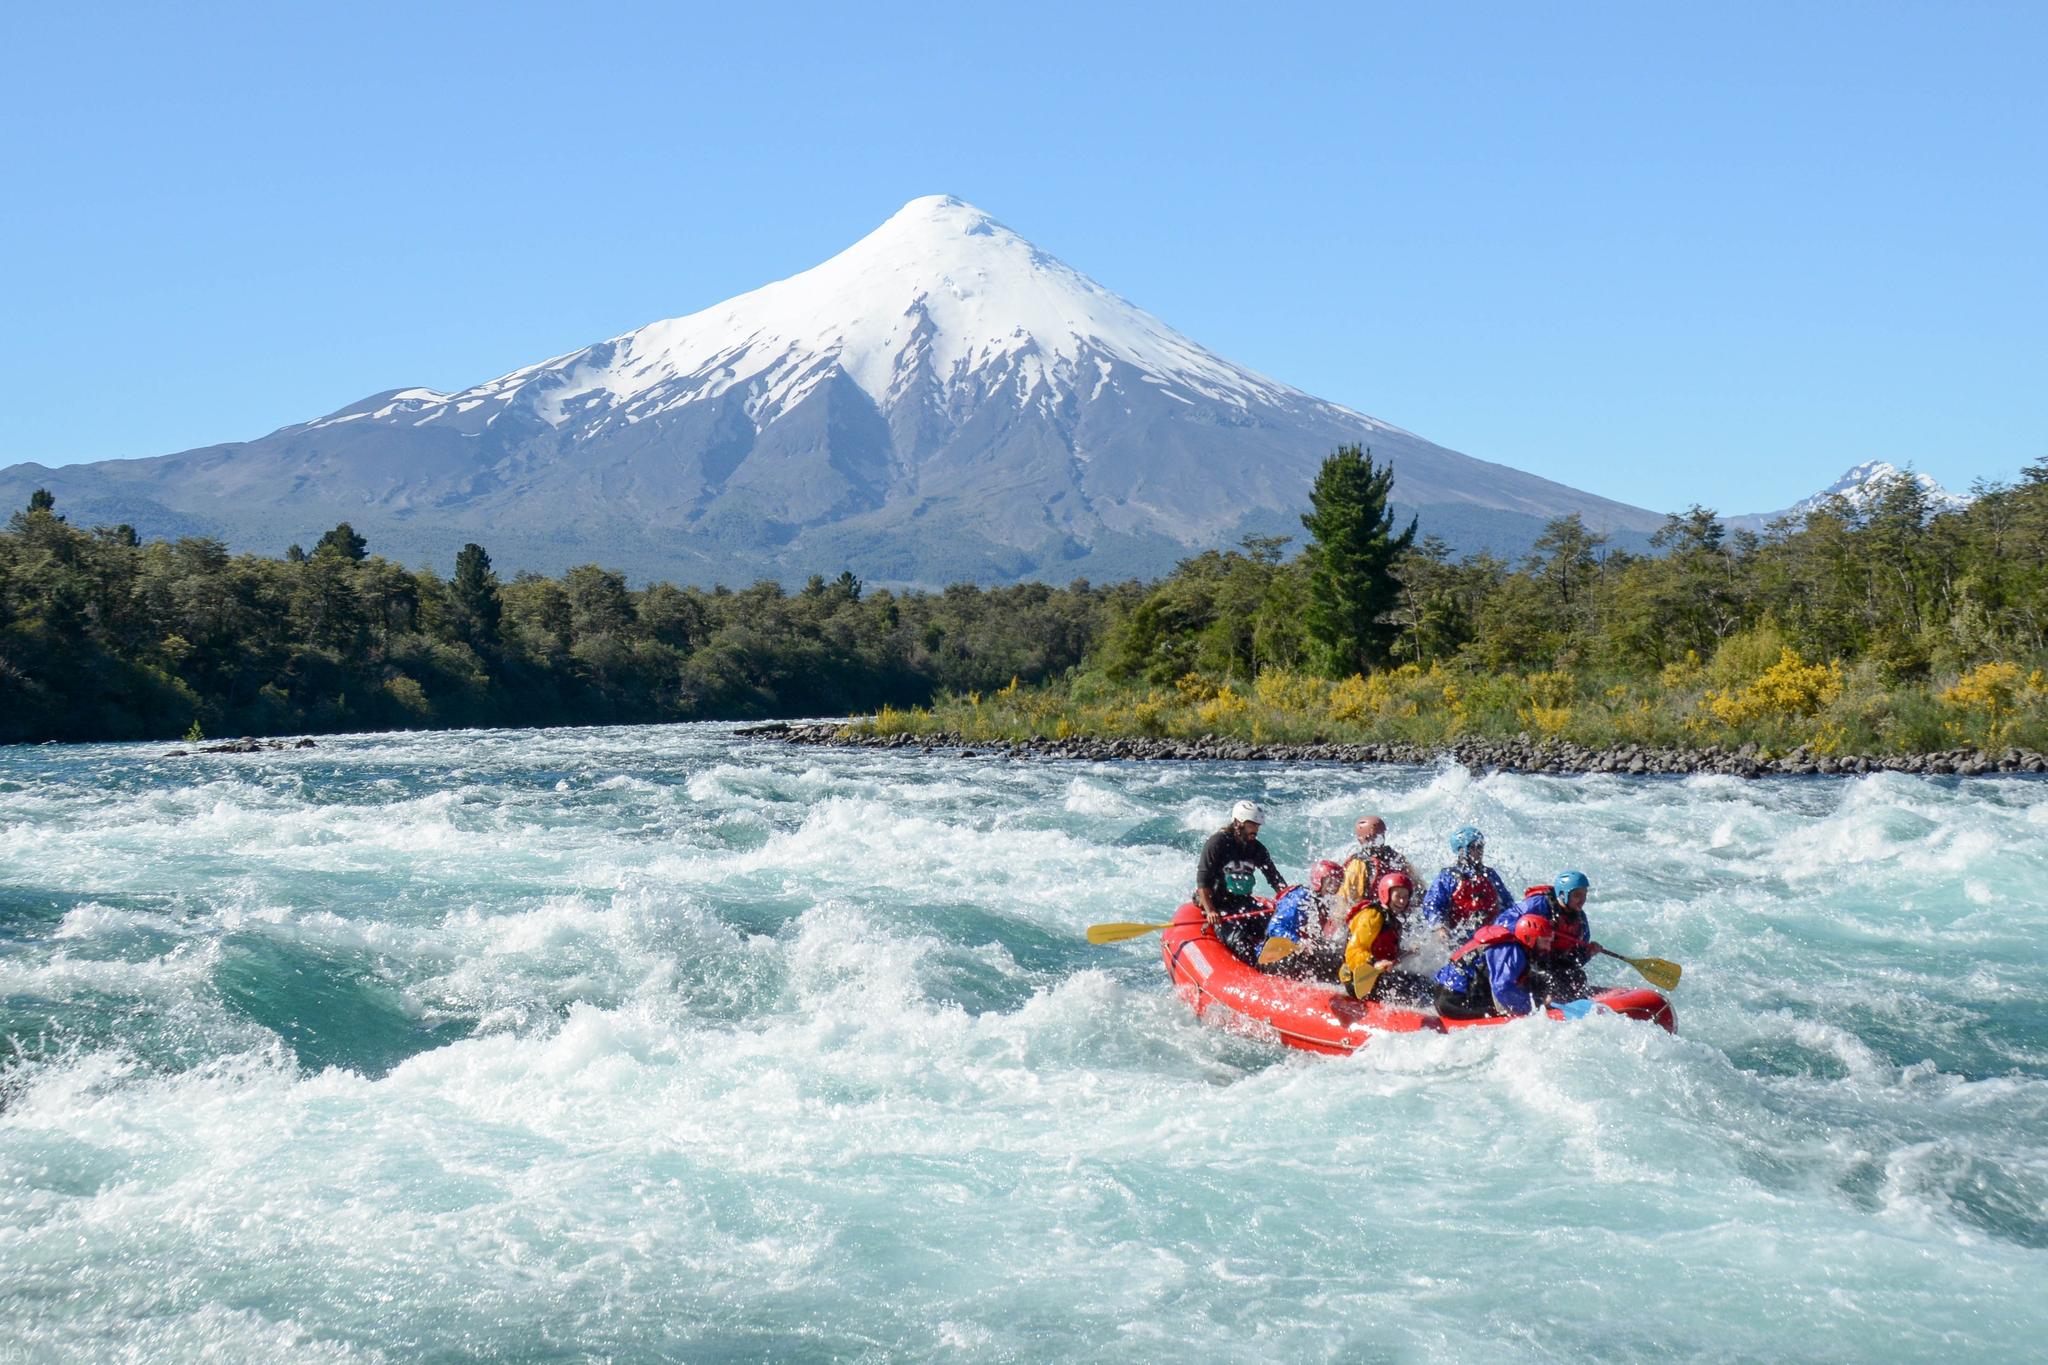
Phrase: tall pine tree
{"type": "Point", "coordinates": [1350, 557]}
{"type": "Point", "coordinates": [477, 604]}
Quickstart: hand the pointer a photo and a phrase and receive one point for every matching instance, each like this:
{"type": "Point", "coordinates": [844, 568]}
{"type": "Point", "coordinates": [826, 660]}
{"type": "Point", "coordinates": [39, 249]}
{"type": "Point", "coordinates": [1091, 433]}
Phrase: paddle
{"type": "Point", "coordinates": [1276, 950]}
{"type": "Point", "coordinates": [1117, 933]}
{"type": "Point", "coordinates": [1659, 973]}
{"type": "Point", "coordinates": [1362, 982]}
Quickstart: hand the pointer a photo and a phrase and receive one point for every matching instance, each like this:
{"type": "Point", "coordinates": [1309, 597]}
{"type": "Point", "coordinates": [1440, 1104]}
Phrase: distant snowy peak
{"type": "Point", "coordinates": [940, 302]}
{"type": "Point", "coordinates": [1860, 487]}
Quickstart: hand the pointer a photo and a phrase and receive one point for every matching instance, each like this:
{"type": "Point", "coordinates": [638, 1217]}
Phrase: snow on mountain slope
{"type": "Point", "coordinates": [1859, 486]}
{"type": "Point", "coordinates": [942, 400]}
{"type": "Point", "coordinates": [940, 288]}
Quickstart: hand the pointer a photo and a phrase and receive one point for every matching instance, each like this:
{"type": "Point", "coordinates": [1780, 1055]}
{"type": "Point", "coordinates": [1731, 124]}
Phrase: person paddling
{"type": "Point", "coordinates": [1468, 893]}
{"type": "Point", "coordinates": [1305, 918]}
{"type": "Point", "coordinates": [1370, 859]}
{"type": "Point", "coordinates": [1224, 877]}
{"type": "Point", "coordinates": [1489, 974]}
{"type": "Point", "coordinates": [1374, 949]}
{"type": "Point", "coordinates": [1560, 974]}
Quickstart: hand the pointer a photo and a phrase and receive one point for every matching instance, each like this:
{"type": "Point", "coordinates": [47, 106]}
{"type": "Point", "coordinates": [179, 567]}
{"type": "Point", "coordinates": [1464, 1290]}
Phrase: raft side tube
{"type": "Point", "coordinates": [1317, 1016]}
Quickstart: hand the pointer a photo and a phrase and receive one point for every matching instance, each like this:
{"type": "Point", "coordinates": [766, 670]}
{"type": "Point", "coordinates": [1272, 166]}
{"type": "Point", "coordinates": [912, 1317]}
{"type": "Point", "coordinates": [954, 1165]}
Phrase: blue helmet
{"type": "Point", "coordinates": [1465, 838]}
{"type": "Point", "coordinates": [1568, 882]}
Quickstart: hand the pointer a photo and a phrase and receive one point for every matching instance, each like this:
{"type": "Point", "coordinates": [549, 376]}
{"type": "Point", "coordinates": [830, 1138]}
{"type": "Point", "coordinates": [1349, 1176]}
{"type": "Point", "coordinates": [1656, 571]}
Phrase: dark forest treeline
{"type": "Point", "coordinates": [103, 637]}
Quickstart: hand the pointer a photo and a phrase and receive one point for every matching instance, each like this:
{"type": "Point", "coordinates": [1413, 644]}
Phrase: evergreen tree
{"type": "Point", "coordinates": [344, 541]}
{"type": "Point", "coordinates": [1350, 559]}
{"type": "Point", "coordinates": [42, 500]}
{"type": "Point", "coordinates": [478, 608]}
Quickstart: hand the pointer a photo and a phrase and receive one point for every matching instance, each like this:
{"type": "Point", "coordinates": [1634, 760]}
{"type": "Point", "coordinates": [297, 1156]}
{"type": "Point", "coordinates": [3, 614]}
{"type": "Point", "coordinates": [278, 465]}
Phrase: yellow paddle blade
{"type": "Point", "coordinates": [1362, 982]}
{"type": "Point", "coordinates": [1659, 973]}
{"type": "Point", "coordinates": [1275, 950]}
{"type": "Point", "coordinates": [1117, 933]}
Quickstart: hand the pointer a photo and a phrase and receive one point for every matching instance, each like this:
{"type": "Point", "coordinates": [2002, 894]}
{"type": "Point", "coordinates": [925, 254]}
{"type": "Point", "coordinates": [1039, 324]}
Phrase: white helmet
{"type": "Point", "coordinates": [1248, 813]}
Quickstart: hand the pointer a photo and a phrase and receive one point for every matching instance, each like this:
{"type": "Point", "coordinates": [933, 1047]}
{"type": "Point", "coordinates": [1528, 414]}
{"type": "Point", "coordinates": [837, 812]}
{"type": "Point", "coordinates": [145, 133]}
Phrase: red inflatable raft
{"type": "Point", "coordinates": [1317, 1016]}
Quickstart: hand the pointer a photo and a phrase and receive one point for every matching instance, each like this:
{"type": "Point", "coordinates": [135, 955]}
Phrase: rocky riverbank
{"type": "Point", "coordinates": [1520, 754]}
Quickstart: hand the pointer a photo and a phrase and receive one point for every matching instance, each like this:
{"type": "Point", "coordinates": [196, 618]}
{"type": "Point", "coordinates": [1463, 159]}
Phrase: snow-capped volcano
{"type": "Point", "coordinates": [1860, 486]}
{"type": "Point", "coordinates": [941, 298]}
{"type": "Point", "coordinates": [940, 400]}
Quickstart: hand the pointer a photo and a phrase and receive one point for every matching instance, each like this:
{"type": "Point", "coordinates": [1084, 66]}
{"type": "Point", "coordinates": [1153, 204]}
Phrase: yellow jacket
{"type": "Point", "coordinates": [1358, 876]}
{"type": "Point", "coordinates": [1357, 881]}
{"type": "Point", "coordinates": [1358, 969]}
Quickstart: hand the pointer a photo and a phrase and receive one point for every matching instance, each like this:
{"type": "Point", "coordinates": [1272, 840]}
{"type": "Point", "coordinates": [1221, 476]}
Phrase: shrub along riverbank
{"type": "Point", "coordinates": [1757, 695]}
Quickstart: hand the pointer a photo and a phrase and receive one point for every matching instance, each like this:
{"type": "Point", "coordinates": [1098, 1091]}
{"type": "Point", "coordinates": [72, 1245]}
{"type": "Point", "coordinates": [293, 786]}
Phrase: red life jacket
{"type": "Point", "coordinates": [1475, 896]}
{"type": "Point", "coordinates": [1570, 938]}
{"type": "Point", "coordinates": [1570, 932]}
{"type": "Point", "coordinates": [1492, 936]}
{"type": "Point", "coordinates": [1387, 942]}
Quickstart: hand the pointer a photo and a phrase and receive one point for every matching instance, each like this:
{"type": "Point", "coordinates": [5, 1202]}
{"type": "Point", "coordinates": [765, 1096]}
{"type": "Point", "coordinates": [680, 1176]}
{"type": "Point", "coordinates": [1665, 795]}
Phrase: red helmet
{"type": "Point", "coordinates": [1383, 889]}
{"type": "Point", "coordinates": [1319, 872]}
{"type": "Point", "coordinates": [1532, 930]}
{"type": "Point", "coordinates": [1369, 828]}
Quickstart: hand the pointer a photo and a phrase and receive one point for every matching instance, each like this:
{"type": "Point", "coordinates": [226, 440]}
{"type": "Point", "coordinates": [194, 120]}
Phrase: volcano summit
{"type": "Point", "coordinates": [940, 401]}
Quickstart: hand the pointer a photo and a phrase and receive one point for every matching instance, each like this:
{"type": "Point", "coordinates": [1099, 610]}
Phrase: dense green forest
{"type": "Point", "coordinates": [1889, 627]}
{"type": "Point", "coordinates": [103, 637]}
{"type": "Point", "coordinates": [1882, 628]}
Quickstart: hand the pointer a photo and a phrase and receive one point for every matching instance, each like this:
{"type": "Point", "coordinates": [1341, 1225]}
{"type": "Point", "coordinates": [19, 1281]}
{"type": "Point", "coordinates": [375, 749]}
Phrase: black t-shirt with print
{"type": "Point", "coordinates": [1226, 852]}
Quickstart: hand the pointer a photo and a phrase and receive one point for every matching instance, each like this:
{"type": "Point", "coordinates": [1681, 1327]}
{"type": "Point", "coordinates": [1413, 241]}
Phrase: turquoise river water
{"type": "Point", "coordinates": [666, 1044]}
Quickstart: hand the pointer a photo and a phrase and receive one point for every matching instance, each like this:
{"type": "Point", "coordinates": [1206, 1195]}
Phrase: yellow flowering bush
{"type": "Point", "coordinates": [1989, 696]}
{"type": "Point", "coordinates": [1554, 688]}
{"type": "Point", "coordinates": [1789, 688]}
{"type": "Point", "coordinates": [1355, 700]}
{"type": "Point", "coordinates": [1545, 720]}
{"type": "Point", "coordinates": [1682, 674]}
{"type": "Point", "coordinates": [1993, 688]}
{"type": "Point", "coordinates": [1829, 739]}
{"type": "Point", "coordinates": [1223, 708]}
{"type": "Point", "coordinates": [1284, 690]}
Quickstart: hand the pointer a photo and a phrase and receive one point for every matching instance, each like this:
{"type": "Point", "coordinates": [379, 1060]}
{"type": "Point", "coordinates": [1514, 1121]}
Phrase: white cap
{"type": "Point", "coordinates": [1248, 813]}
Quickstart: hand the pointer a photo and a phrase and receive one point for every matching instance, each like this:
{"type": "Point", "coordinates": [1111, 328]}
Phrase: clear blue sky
{"type": "Point", "coordinates": [1667, 253]}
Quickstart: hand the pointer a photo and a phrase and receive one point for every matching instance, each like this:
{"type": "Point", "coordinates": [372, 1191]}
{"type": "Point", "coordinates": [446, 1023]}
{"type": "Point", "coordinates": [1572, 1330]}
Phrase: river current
{"type": "Point", "coordinates": [662, 1043]}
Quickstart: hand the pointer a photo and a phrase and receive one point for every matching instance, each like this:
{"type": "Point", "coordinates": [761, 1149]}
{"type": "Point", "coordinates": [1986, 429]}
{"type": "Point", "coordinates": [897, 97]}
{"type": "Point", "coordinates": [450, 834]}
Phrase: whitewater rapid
{"type": "Point", "coordinates": [664, 1043]}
